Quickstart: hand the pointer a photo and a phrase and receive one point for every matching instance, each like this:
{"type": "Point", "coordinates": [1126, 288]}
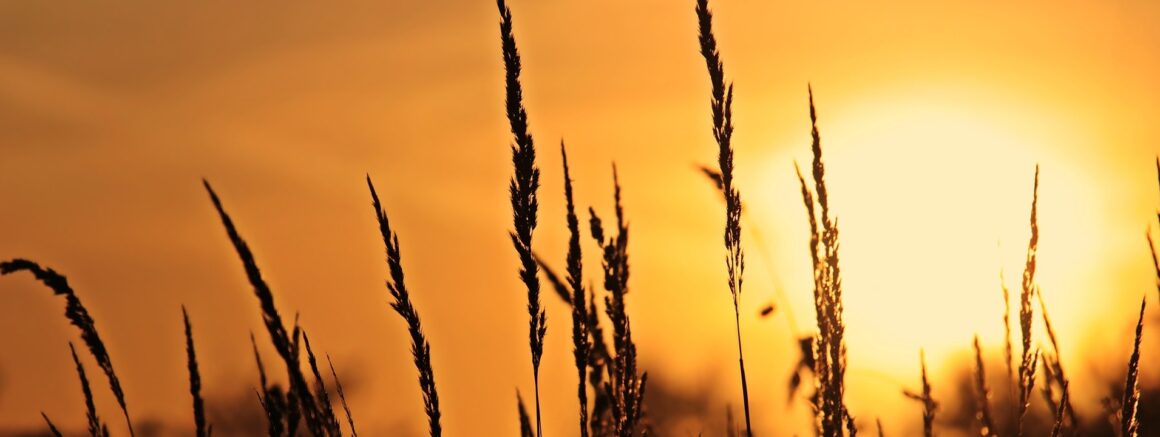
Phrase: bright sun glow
{"type": "Point", "coordinates": [933, 199]}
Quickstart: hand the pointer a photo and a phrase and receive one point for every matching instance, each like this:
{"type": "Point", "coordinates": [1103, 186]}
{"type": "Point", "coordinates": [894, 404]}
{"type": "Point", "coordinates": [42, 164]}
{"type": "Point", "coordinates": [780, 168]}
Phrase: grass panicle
{"type": "Point", "coordinates": [94, 421]}
{"type": "Point", "coordinates": [420, 347]}
{"type": "Point", "coordinates": [575, 266]}
{"type": "Point", "coordinates": [330, 420]}
{"type": "Point", "coordinates": [722, 109]}
{"type": "Point", "coordinates": [881, 432]}
{"type": "Point", "coordinates": [283, 343]}
{"type": "Point", "coordinates": [1060, 411]}
{"type": "Point", "coordinates": [342, 397]}
{"type": "Point", "coordinates": [79, 316]}
{"type": "Point", "coordinates": [626, 387]}
{"type": "Point", "coordinates": [929, 405]}
{"type": "Point", "coordinates": [524, 184]}
{"type": "Point", "coordinates": [830, 346]}
{"type": "Point", "coordinates": [1053, 365]}
{"type": "Point", "coordinates": [1029, 359]}
{"type": "Point", "coordinates": [983, 393]}
{"type": "Point", "coordinates": [1130, 424]}
{"type": "Point", "coordinates": [200, 426]}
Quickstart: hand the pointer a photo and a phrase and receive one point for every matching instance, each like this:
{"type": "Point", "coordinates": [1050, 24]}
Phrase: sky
{"type": "Point", "coordinates": [933, 116]}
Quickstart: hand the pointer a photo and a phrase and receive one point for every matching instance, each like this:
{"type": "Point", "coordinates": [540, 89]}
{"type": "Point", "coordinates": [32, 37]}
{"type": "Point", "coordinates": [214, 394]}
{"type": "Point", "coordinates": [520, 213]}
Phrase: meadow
{"type": "Point", "coordinates": [1024, 389]}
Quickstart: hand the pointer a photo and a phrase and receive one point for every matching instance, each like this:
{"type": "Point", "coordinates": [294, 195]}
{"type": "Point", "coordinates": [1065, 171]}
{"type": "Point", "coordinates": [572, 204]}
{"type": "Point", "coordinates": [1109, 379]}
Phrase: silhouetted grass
{"type": "Point", "coordinates": [830, 346]}
{"type": "Point", "coordinates": [51, 427]}
{"type": "Point", "coordinates": [79, 316]}
{"type": "Point", "coordinates": [201, 429]}
{"type": "Point", "coordinates": [722, 109]}
{"type": "Point", "coordinates": [283, 343]}
{"type": "Point", "coordinates": [342, 397]}
{"type": "Point", "coordinates": [420, 347]}
{"type": "Point", "coordinates": [524, 184]}
{"type": "Point", "coordinates": [928, 403]}
{"type": "Point", "coordinates": [330, 420]}
{"type": "Point", "coordinates": [1130, 424]}
{"type": "Point", "coordinates": [983, 407]}
{"type": "Point", "coordinates": [1030, 359]}
{"type": "Point", "coordinates": [626, 389]}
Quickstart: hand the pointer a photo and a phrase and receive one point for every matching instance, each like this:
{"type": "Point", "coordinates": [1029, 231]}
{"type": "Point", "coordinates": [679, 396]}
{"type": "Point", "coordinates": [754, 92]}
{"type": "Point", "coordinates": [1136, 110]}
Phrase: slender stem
{"type": "Point", "coordinates": [741, 362]}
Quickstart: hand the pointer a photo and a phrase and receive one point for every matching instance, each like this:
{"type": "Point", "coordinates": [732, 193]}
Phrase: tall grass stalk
{"type": "Point", "coordinates": [1030, 359]}
{"type": "Point", "coordinates": [722, 109]}
{"type": "Point", "coordinates": [283, 343]}
{"type": "Point", "coordinates": [420, 347]}
{"type": "Point", "coordinates": [983, 404]}
{"type": "Point", "coordinates": [580, 341]}
{"type": "Point", "coordinates": [79, 316]}
{"type": "Point", "coordinates": [1065, 398]}
{"type": "Point", "coordinates": [342, 397]}
{"type": "Point", "coordinates": [524, 184]}
{"type": "Point", "coordinates": [626, 389]}
{"type": "Point", "coordinates": [928, 403]}
{"type": "Point", "coordinates": [325, 407]}
{"type": "Point", "coordinates": [1130, 424]}
{"type": "Point", "coordinates": [94, 421]}
{"type": "Point", "coordinates": [830, 346]}
{"type": "Point", "coordinates": [200, 427]}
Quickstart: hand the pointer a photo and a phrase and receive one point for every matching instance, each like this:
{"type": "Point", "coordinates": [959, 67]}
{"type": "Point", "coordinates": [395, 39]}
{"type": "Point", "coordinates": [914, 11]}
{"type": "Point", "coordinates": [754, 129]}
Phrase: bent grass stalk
{"type": "Point", "coordinates": [283, 343]}
{"type": "Point", "coordinates": [79, 316]}
{"type": "Point", "coordinates": [420, 347]}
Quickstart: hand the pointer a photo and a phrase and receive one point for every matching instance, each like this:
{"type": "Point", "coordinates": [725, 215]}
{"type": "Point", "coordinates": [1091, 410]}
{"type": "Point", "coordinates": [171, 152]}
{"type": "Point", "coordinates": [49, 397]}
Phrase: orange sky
{"type": "Point", "coordinates": [933, 115]}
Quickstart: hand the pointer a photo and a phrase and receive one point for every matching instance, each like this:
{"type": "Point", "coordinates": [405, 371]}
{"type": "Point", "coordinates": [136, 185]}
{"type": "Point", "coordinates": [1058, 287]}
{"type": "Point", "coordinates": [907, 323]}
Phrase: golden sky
{"type": "Point", "coordinates": [933, 116]}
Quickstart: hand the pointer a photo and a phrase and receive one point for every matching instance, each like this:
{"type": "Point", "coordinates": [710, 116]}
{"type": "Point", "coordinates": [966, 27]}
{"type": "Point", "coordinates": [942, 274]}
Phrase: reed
{"type": "Point", "coordinates": [722, 110]}
{"type": "Point", "coordinates": [1130, 424]}
{"type": "Point", "coordinates": [200, 427]}
{"type": "Point", "coordinates": [420, 347]}
{"type": "Point", "coordinates": [283, 343]}
{"type": "Point", "coordinates": [79, 316]}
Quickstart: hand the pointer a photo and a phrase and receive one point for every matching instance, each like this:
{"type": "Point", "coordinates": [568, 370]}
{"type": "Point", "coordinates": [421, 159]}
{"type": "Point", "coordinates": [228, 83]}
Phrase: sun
{"type": "Point", "coordinates": [933, 199]}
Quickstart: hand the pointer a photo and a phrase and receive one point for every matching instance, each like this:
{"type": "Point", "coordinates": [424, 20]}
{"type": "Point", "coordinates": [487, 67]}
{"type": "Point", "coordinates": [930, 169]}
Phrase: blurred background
{"type": "Point", "coordinates": [933, 117]}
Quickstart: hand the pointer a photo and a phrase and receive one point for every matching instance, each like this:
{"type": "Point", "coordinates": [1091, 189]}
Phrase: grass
{"type": "Point", "coordinates": [420, 347]}
{"type": "Point", "coordinates": [200, 427]}
{"type": "Point", "coordinates": [611, 387]}
{"type": "Point", "coordinates": [722, 110]}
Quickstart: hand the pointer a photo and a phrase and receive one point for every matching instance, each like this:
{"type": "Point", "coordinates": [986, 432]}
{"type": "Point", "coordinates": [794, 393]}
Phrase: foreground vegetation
{"type": "Point", "coordinates": [611, 387]}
